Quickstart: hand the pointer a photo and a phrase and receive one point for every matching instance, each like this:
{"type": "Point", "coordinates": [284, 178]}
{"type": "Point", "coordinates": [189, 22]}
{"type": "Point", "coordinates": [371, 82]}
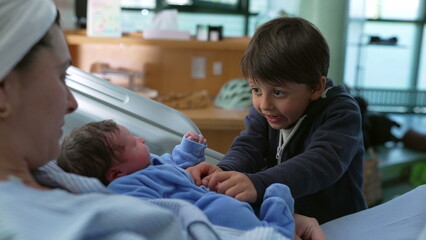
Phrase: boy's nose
{"type": "Point", "coordinates": [265, 103]}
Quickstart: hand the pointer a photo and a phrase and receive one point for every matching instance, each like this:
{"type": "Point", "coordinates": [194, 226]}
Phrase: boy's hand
{"type": "Point", "coordinates": [195, 137]}
{"type": "Point", "coordinates": [307, 228]}
{"type": "Point", "coordinates": [202, 170]}
{"type": "Point", "coordinates": [233, 184]}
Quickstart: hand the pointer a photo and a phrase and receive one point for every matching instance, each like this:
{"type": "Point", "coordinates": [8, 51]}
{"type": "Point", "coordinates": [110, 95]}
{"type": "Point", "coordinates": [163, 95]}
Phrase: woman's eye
{"type": "Point", "coordinates": [64, 76]}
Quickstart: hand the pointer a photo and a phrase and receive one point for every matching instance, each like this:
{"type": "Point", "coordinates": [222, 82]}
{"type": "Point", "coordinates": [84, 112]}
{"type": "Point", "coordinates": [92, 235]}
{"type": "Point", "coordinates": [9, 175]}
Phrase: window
{"type": "Point", "coordinates": [421, 84]}
{"type": "Point", "coordinates": [239, 17]}
{"type": "Point", "coordinates": [393, 9]}
{"type": "Point", "coordinates": [138, 4]}
{"type": "Point", "coordinates": [204, 5]}
{"type": "Point", "coordinates": [383, 59]}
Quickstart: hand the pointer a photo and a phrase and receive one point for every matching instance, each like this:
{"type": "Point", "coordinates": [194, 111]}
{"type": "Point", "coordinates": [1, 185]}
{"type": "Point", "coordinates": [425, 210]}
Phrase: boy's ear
{"type": "Point", "coordinates": [114, 173]}
{"type": "Point", "coordinates": [318, 89]}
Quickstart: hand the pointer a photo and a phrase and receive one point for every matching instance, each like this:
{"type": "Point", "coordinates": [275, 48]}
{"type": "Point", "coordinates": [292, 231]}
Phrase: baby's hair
{"type": "Point", "coordinates": [287, 49]}
{"type": "Point", "coordinates": [87, 151]}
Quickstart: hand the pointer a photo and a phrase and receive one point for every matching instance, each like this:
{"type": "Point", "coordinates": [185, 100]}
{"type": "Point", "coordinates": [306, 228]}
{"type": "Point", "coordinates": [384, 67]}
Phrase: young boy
{"type": "Point", "coordinates": [302, 131]}
{"type": "Point", "coordinates": [122, 161]}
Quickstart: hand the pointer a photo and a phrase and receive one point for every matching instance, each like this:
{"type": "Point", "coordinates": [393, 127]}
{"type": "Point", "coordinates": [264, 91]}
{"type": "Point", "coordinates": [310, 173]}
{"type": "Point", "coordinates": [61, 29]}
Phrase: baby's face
{"type": "Point", "coordinates": [136, 155]}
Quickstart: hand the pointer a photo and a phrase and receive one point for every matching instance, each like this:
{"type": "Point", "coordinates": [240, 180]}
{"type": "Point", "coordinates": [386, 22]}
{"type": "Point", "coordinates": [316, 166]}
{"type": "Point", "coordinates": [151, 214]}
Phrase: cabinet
{"type": "Point", "coordinates": [167, 65]}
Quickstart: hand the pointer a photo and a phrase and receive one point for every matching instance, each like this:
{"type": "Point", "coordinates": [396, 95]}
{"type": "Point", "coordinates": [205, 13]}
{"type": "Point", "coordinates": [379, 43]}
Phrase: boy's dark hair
{"type": "Point", "coordinates": [88, 152]}
{"type": "Point", "coordinates": [286, 49]}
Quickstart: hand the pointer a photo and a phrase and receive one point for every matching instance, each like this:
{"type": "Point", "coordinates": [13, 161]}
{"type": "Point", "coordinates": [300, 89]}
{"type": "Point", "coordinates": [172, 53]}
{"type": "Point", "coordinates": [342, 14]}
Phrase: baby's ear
{"type": "Point", "coordinates": [113, 173]}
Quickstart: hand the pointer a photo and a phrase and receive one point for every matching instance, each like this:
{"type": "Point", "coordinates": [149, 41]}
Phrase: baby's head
{"type": "Point", "coordinates": [103, 150]}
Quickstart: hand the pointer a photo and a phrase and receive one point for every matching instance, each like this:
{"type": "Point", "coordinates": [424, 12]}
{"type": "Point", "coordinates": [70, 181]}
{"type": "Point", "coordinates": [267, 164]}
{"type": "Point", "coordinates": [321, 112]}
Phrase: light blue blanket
{"type": "Point", "coordinates": [167, 178]}
{"type": "Point", "coordinates": [88, 211]}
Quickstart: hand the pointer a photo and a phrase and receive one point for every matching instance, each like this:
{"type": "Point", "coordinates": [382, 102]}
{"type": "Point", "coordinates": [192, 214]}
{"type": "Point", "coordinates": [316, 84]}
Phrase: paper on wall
{"type": "Point", "coordinates": [103, 18]}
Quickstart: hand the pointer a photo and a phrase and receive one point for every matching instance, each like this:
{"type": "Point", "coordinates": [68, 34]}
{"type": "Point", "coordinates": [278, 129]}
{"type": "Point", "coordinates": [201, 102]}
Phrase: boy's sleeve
{"type": "Point", "coordinates": [186, 154]}
{"type": "Point", "coordinates": [332, 147]}
{"type": "Point", "coordinates": [250, 148]}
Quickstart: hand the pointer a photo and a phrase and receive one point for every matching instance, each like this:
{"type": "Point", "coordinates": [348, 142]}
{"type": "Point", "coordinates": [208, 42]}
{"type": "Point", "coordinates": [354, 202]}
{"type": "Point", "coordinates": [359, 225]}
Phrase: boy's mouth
{"type": "Point", "coordinates": [272, 118]}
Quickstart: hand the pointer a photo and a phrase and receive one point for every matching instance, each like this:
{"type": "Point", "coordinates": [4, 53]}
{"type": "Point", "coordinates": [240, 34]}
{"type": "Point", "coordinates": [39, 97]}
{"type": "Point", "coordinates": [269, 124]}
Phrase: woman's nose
{"type": "Point", "coordinates": [72, 102]}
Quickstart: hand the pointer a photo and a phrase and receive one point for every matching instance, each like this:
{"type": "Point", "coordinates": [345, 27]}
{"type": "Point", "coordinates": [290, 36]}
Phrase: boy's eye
{"type": "Point", "coordinates": [278, 93]}
{"type": "Point", "coordinates": [255, 90]}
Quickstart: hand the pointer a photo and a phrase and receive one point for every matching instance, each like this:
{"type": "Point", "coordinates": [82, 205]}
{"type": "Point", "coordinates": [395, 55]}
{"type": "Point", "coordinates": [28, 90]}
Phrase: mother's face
{"type": "Point", "coordinates": [41, 101]}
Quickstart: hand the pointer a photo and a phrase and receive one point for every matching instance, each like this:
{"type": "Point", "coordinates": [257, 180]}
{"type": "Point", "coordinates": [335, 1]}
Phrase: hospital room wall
{"type": "Point", "coordinates": [170, 69]}
{"type": "Point", "coordinates": [331, 17]}
{"type": "Point", "coordinates": [165, 68]}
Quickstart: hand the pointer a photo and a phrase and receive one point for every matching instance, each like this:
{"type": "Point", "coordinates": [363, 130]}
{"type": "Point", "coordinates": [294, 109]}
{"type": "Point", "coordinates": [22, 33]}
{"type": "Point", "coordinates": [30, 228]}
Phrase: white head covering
{"type": "Point", "coordinates": [22, 24]}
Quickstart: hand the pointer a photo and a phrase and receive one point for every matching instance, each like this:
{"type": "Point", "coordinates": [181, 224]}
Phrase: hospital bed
{"type": "Point", "coordinates": [163, 127]}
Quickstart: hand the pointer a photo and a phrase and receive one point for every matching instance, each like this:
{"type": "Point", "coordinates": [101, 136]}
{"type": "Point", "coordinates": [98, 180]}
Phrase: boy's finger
{"type": "Point", "coordinates": [229, 188]}
{"type": "Point", "coordinates": [217, 178]}
{"type": "Point", "coordinates": [205, 181]}
{"type": "Point", "coordinates": [196, 175]}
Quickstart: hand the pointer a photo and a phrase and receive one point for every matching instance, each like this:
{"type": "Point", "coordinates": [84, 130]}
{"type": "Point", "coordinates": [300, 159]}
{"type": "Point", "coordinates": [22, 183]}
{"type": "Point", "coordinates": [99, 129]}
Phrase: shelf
{"type": "Point", "coordinates": [377, 45]}
{"type": "Point", "coordinates": [78, 37]}
{"type": "Point", "coordinates": [214, 118]}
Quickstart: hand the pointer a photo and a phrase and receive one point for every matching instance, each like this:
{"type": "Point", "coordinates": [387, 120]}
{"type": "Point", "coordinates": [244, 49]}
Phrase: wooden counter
{"type": "Point", "coordinates": [166, 65]}
{"type": "Point", "coordinates": [219, 126]}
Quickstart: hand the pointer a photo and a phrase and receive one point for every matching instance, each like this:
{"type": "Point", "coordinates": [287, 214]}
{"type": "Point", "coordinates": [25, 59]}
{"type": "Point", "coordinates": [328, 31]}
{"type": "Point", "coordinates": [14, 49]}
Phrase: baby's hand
{"type": "Point", "coordinates": [195, 137]}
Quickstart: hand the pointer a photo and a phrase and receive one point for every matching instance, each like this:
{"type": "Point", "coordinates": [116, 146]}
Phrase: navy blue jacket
{"type": "Point", "coordinates": [322, 163]}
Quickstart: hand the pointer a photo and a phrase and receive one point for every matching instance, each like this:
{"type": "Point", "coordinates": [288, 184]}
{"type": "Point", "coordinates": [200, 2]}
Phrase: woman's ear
{"type": "Point", "coordinates": [318, 89]}
{"type": "Point", "coordinates": [3, 98]}
{"type": "Point", "coordinates": [114, 173]}
{"type": "Point", "coordinates": [5, 88]}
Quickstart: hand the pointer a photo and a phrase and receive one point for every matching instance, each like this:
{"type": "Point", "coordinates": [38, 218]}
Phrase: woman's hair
{"type": "Point", "coordinates": [45, 41]}
{"type": "Point", "coordinates": [88, 151]}
{"type": "Point", "coordinates": [287, 49]}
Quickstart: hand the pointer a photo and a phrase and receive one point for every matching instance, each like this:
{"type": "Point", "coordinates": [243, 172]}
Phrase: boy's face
{"type": "Point", "coordinates": [282, 106]}
{"type": "Point", "coordinates": [136, 155]}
